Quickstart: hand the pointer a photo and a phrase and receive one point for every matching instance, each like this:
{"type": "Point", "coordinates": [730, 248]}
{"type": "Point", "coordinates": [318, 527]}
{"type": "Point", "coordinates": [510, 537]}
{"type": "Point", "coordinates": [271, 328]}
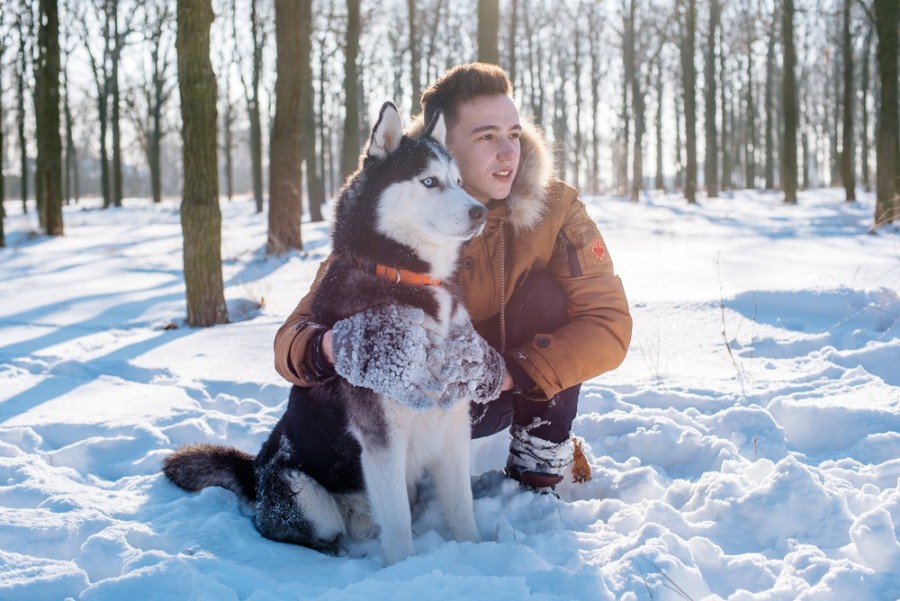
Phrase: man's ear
{"type": "Point", "coordinates": [437, 129]}
{"type": "Point", "coordinates": [387, 132]}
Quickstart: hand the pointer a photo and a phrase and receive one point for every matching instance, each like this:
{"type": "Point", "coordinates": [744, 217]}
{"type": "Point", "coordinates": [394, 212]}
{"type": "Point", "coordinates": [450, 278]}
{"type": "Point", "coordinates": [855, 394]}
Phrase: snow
{"type": "Point", "coordinates": [747, 449]}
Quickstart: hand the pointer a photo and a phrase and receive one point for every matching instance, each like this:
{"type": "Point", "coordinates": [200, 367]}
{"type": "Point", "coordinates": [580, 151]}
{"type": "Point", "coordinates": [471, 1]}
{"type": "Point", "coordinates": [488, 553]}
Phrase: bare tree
{"type": "Point", "coordinates": [750, 127]}
{"type": "Point", "coordinates": [101, 68]}
{"type": "Point", "coordinates": [513, 42]}
{"type": "Point", "coordinates": [789, 100]}
{"type": "Point", "coordinates": [848, 148]}
{"type": "Point", "coordinates": [535, 59]}
{"type": "Point", "coordinates": [769, 107]}
{"type": "Point", "coordinates": [711, 163]}
{"type": "Point", "coordinates": [351, 140]}
{"type": "Point", "coordinates": [316, 170]}
{"type": "Point", "coordinates": [292, 38]}
{"type": "Point", "coordinates": [864, 107]}
{"type": "Point", "coordinates": [887, 161]}
{"type": "Point", "coordinates": [49, 158]}
{"type": "Point", "coordinates": [689, 84]}
{"type": "Point", "coordinates": [201, 218]}
{"type": "Point", "coordinates": [156, 89]}
{"type": "Point", "coordinates": [415, 55]}
{"type": "Point", "coordinates": [3, 38]}
{"type": "Point", "coordinates": [119, 37]}
{"type": "Point", "coordinates": [228, 63]}
{"type": "Point", "coordinates": [70, 163]}
{"type": "Point", "coordinates": [252, 94]}
{"type": "Point", "coordinates": [659, 180]}
{"type": "Point", "coordinates": [24, 26]}
{"type": "Point", "coordinates": [595, 27]}
{"type": "Point", "coordinates": [725, 175]}
{"type": "Point", "coordinates": [488, 30]}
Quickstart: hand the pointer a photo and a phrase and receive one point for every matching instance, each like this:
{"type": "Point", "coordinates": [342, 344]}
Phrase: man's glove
{"type": "Point", "coordinates": [389, 351]}
{"type": "Point", "coordinates": [472, 370]}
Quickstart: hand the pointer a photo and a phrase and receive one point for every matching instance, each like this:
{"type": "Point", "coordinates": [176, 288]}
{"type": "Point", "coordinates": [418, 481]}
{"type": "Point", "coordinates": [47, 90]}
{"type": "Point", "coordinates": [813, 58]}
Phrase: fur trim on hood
{"type": "Point", "coordinates": [527, 200]}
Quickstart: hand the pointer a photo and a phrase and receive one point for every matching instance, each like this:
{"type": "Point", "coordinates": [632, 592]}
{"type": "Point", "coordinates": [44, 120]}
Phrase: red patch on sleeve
{"type": "Point", "coordinates": [598, 249]}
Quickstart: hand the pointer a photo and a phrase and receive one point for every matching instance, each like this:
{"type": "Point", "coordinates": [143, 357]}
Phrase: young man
{"type": "Point", "coordinates": [538, 282]}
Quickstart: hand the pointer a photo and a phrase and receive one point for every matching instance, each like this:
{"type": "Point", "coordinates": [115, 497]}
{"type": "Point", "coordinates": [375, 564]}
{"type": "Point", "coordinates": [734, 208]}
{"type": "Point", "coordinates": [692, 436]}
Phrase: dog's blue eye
{"type": "Point", "coordinates": [429, 182]}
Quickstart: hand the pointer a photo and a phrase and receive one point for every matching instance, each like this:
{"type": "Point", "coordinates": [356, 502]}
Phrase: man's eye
{"type": "Point", "coordinates": [429, 182]}
{"type": "Point", "coordinates": [458, 181]}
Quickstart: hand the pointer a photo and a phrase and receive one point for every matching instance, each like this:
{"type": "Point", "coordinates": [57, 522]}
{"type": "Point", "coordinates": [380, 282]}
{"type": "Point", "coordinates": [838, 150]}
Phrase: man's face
{"type": "Point", "coordinates": [485, 144]}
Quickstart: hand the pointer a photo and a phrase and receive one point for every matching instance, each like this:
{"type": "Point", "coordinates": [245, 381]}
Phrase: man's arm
{"type": "Point", "coordinates": [599, 330]}
{"type": "Point", "coordinates": [292, 341]}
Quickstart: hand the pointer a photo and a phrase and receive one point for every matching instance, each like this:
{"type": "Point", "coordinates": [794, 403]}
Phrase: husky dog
{"type": "Point", "coordinates": [403, 212]}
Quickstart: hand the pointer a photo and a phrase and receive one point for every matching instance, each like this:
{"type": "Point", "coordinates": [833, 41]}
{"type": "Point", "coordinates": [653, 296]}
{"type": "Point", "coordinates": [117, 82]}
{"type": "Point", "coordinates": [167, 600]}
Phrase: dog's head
{"type": "Point", "coordinates": [405, 203]}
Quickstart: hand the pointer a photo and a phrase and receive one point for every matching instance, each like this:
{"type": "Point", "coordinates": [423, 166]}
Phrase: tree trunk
{"type": "Point", "coordinates": [725, 178]}
{"type": "Point", "coordinates": [864, 134]}
{"type": "Point", "coordinates": [769, 104]}
{"type": "Point", "coordinates": [24, 27]}
{"type": "Point", "coordinates": [689, 75]}
{"type": "Point", "coordinates": [228, 120]}
{"type": "Point", "coordinates": [71, 160]}
{"type": "Point", "coordinates": [628, 68]}
{"type": "Point", "coordinates": [576, 178]}
{"type": "Point", "coordinates": [488, 28]}
{"type": "Point", "coordinates": [292, 25]}
{"type": "Point", "coordinates": [513, 42]}
{"type": "Point", "coordinates": [116, 98]}
{"type": "Point", "coordinates": [847, 147]}
{"type": "Point", "coordinates": [711, 161]}
{"type": "Point", "coordinates": [157, 98]}
{"type": "Point", "coordinates": [415, 58]}
{"type": "Point", "coordinates": [659, 183]}
{"type": "Point", "coordinates": [2, 174]}
{"type": "Point", "coordinates": [834, 127]}
{"type": "Point", "coordinates": [677, 99]}
{"type": "Point", "coordinates": [102, 82]}
{"type": "Point", "coordinates": [251, 93]}
{"type": "Point", "coordinates": [536, 87]}
{"type": "Point", "coordinates": [887, 206]}
{"type": "Point", "coordinates": [750, 140]}
{"type": "Point", "coordinates": [350, 145]}
{"type": "Point", "coordinates": [789, 90]}
{"type": "Point", "coordinates": [47, 119]}
{"type": "Point", "coordinates": [315, 173]}
{"type": "Point", "coordinates": [595, 104]}
{"type": "Point", "coordinates": [201, 218]}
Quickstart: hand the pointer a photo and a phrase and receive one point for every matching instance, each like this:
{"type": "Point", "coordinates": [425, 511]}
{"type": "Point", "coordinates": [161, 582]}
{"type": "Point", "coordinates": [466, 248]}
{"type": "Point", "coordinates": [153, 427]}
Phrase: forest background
{"type": "Point", "coordinates": [701, 96]}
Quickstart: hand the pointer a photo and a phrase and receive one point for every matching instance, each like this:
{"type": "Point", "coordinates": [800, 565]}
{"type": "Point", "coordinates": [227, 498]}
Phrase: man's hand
{"type": "Point", "coordinates": [389, 351]}
{"type": "Point", "coordinates": [472, 370]}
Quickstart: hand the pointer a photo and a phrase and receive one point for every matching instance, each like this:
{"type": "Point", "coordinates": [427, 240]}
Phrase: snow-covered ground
{"type": "Point", "coordinates": [748, 448]}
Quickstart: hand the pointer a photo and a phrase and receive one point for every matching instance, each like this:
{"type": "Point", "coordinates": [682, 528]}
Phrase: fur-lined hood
{"type": "Point", "coordinates": [527, 201]}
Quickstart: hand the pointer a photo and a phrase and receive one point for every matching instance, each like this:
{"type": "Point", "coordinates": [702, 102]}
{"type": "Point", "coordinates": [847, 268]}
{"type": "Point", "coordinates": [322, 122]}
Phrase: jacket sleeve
{"type": "Point", "coordinates": [599, 330]}
{"type": "Point", "coordinates": [292, 339]}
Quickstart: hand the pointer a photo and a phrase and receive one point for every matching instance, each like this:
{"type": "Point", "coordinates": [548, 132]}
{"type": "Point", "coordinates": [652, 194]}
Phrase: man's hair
{"type": "Point", "coordinates": [460, 84]}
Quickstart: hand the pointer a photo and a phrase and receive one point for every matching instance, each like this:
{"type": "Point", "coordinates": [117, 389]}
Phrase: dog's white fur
{"type": "Point", "coordinates": [431, 216]}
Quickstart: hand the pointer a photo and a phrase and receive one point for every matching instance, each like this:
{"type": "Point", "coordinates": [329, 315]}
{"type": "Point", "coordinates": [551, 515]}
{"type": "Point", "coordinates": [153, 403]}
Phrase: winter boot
{"type": "Point", "coordinates": [536, 463]}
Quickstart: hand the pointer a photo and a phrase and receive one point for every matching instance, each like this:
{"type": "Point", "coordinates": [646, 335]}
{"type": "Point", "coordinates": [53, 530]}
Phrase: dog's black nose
{"type": "Point", "coordinates": [477, 213]}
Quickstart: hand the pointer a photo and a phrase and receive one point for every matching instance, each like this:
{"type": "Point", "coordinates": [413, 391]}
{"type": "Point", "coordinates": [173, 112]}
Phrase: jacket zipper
{"type": "Point", "coordinates": [502, 287]}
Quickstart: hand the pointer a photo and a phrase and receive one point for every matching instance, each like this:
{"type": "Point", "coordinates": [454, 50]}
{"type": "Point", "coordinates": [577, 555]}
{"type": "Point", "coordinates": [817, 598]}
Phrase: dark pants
{"type": "Point", "coordinates": [537, 306]}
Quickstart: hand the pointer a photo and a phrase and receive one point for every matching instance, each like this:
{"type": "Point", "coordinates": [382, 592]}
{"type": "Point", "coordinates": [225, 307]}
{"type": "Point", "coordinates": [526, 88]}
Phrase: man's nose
{"type": "Point", "coordinates": [507, 150]}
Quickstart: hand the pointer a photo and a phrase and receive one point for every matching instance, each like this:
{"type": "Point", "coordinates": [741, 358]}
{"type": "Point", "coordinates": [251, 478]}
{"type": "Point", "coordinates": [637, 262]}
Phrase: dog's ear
{"type": "Point", "coordinates": [387, 132]}
{"type": "Point", "coordinates": [437, 129]}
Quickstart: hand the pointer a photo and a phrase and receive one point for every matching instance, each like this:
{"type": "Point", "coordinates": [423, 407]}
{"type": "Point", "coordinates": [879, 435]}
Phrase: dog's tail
{"type": "Point", "coordinates": [195, 466]}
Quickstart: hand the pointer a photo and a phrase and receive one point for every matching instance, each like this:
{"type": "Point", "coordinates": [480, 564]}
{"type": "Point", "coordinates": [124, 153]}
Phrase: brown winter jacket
{"type": "Point", "coordinates": [541, 225]}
